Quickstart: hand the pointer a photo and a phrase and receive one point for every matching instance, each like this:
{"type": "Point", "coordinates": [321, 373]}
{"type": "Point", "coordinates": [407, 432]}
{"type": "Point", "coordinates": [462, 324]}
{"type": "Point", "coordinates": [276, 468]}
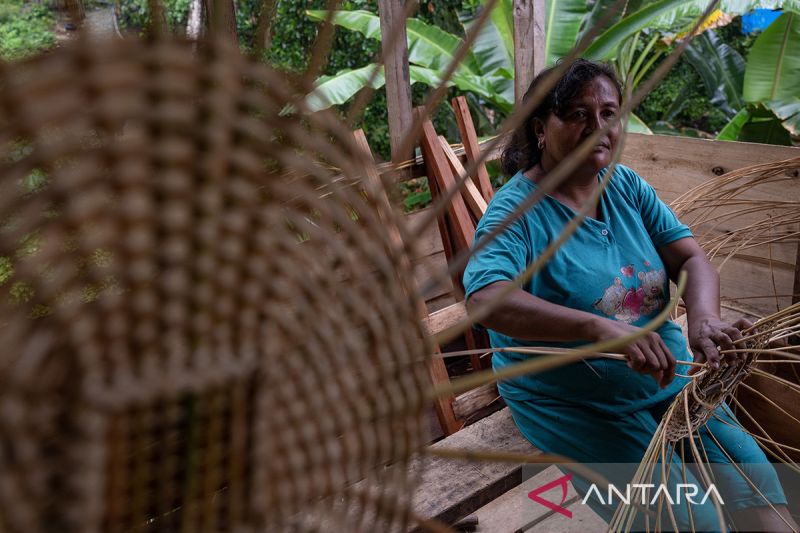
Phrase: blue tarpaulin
{"type": "Point", "coordinates": [758, 20]}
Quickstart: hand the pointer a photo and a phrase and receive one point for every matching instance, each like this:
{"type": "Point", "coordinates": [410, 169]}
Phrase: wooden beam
{"type": "Point", "coordinates": [471, 147]}
{"type": "Point", "coordinates": [472, 196]}
{"type": "Point", "coordinates": [529, 59]}
{"type": "Point", "coordinates": [398, 80]}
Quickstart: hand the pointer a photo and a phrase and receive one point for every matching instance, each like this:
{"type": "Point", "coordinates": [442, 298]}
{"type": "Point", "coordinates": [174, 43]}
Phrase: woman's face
{"type": "Point", "coordinates": [595, 105]}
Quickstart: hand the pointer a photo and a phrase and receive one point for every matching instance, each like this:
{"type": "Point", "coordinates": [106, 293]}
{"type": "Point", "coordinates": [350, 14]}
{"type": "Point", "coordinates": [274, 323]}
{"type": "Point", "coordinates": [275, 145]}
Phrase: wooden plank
{"type": "Point", "coordinates": [439, 169]}
{"type": "Point", "coordinates": [529, 26]}
{"type": "Point", "coordinates": [439, 321]}
{"type": "Point", "coordinates": [471, 148]}
{"type": "Point", "coordinates": [514, 511]}
{"type": "Point", "coordinates": [450, 489]}
{"type": "Point", "coordinates": [472, 196]}
{"type": "Point", "coordinates": [467, 404]}
{"type": "Point", "coordinates": [673, 165]}
{"type": "Point", "coordinates": [398, 80]}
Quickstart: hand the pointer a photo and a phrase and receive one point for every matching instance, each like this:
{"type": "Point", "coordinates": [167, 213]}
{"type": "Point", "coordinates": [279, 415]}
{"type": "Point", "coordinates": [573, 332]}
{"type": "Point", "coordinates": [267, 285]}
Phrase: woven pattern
{"type": "Point", "coordinates": [701, 396]}
{"type": "Point", "coordinates": [191, 340]}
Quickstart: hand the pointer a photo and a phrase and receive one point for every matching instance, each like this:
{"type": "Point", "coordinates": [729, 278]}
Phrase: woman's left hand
{"type": "Point", "coordinates": [709, 335]}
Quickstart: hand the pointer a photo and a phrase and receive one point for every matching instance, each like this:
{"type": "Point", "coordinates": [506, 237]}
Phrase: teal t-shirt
{"type": "Point", "coordinates": [609, 267]}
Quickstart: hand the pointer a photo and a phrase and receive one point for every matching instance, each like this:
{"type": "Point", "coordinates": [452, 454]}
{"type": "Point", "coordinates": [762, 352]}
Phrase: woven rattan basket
{"type": "Point", "coordinates": [191, 340]}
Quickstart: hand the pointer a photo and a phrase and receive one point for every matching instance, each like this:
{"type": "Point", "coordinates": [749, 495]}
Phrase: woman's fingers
{"type": "Point", "coordinates": [705, 351]}
{"type": "Point", "coordinates": [651, 356]}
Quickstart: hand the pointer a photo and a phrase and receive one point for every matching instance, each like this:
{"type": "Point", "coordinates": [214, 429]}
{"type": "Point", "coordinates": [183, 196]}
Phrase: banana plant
{"type": "Point", "coordinates": [484, 71]}
{"type": "Point", "coordinates": [771, 87]}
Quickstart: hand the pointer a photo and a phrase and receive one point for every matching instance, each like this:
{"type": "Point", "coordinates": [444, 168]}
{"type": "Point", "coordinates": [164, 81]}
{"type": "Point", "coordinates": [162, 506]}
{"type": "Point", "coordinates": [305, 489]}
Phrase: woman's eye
{"type": "Point", "coordinates": [609, 113]}
{"type": "Point", "coordinates": [579, 114]}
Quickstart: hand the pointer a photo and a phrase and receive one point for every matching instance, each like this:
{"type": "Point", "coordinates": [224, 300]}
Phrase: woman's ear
{"type": "Point", "coordinates": [538, 131]}
{"type": "Point", "coordinates": [538, 126]}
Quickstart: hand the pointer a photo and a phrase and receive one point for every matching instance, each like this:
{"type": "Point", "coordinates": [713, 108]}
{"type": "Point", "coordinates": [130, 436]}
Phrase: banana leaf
{"type": "Point", "coordinates": [493, 47]}
{"type": "Point", "coordinates": [721, 69]}
{"type": "Point", "coordinates": [773, 65]}
{"type": "Point", "coordinates": [734, 127]}
{"type": "Point", "coordinates": [764, 127]}
{"type": "Point", "coordinates": [788, 112]}
{"type": "Point", "coordinates": [564, 18]}
{"type": "Point", "coordinates": [339, 88]}
{"type": "Point", "coordinates": [606, 44]}
{"type": "Point", "coordinates": [637, 125]}
{"type": "Point", "coordinates": [428, 46]}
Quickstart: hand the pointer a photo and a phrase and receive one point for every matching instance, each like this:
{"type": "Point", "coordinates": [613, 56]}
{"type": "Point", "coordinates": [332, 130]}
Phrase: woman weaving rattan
{"type": "Point", "coordinates": [606, 281]}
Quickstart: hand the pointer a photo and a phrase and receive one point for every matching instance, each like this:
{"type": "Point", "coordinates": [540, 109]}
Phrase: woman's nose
{"type": "Point", "coordinates": [595, 121]}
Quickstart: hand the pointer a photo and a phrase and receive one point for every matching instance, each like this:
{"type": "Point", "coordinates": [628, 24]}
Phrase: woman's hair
{"type": "Point", "coordinates": [522, 151]}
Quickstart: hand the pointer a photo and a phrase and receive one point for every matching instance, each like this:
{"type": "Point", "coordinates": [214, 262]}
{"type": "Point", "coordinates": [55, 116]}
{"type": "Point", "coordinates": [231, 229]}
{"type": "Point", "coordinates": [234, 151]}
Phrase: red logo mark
{"type": "Point", "coordinates": [563, 480]}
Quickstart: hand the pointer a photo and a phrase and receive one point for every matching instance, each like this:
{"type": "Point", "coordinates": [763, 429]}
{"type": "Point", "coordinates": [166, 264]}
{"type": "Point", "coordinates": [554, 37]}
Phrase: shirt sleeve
{"type": "Point", "coordinates": [659, 220]}
{"type": "Point", "coordinates": [505, 256]}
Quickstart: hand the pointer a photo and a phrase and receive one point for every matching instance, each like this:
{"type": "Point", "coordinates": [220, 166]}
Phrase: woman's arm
{"type": "Point", "coordinates": [524, 316]}
{"type": "Point", "coordinates": [706, 329]}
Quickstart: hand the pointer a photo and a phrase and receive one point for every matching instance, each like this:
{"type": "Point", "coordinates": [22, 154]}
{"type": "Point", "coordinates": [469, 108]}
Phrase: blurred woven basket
{"type": "Point", "coordinates": [191, 341]}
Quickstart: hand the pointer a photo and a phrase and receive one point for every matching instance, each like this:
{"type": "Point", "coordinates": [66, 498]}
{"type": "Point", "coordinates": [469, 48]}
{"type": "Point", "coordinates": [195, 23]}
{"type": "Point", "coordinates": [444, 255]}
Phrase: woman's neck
{"type": "Point", "coordinates": [575, 191]}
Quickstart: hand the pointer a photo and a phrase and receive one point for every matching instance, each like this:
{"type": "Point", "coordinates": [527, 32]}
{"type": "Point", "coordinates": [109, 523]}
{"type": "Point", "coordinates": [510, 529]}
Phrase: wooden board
{"type": "Point", "coordinates": [469, 139]}
{"type": "Point", "coordinates": [449, 489]}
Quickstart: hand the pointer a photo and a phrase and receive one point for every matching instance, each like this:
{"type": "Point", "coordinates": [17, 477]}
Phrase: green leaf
{"type": "Point", "coordinates": [788, 112]}
{"type": "Point", "coordinates": [563, 22]}
{"type": "Point", "coordinates": [733, 128]}
{"type": "Point", "coordinates": [503, 19]}
{"type": "Point", "coordinates": [637, 125]}
{"type": "Point", "coordinates": [764, 127]}
{"type": "Point", "coordinates": [601, 19]}
{"type": "Point", "coordinates": [607, 43]}
{"type": "Point", "coordinates": [339, 88]}
{"type": "Point", "coordinates": [773, 65]}
{"type": "Point", "coordinates": [428, 46]}
{"type": "Point", "coordinates": [683, 17]}
{"type": "Point", "coordinates": [721, 68]}
{"type": "Point", "coordinates": [494, 45]}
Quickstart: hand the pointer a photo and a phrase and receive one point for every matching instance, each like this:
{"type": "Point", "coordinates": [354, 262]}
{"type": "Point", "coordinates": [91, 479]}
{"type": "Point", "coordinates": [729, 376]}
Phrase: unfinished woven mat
{"type": "Point", "coordinates": [192, 342]}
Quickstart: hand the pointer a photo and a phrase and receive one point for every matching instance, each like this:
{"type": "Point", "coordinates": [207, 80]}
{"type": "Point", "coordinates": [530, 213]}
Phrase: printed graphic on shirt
{"type": "Point", "coordinates": [628, 304]}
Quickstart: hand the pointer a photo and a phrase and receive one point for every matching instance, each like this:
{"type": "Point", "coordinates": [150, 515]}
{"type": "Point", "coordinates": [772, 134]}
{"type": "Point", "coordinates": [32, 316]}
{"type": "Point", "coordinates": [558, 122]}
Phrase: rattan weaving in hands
{"type": "Point", "coordinates": [191, 341]}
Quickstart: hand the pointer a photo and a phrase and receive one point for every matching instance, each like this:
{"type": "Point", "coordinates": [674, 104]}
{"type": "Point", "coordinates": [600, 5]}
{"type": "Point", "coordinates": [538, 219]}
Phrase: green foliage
{"type": "Point", "coordinates": [6, 269]}
{"type": "Point", "coordinates": [25, 29]}
{"type": "Point", "coordinates": [680, 100]}
{"type": "Point", "coordinates": [134, 15]}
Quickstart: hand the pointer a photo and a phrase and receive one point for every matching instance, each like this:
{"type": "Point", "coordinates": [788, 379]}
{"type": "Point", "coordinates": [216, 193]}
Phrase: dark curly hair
{"type": "Point", "coordinates": [522, 151]}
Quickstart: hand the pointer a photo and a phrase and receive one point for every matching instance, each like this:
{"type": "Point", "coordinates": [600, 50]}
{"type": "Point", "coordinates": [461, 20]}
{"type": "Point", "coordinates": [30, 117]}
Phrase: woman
{"type": "Point", "coordinates": [610, 278]}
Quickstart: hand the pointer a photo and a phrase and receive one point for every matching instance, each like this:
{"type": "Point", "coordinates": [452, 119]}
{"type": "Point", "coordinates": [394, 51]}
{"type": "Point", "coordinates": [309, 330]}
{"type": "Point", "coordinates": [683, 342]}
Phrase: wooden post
{"type": "Point", "coordinates": [436, 369]}
{"type": "Point", "coordinates": [398, 81]}
{"type": "Point", "coordinates": [529, 59]}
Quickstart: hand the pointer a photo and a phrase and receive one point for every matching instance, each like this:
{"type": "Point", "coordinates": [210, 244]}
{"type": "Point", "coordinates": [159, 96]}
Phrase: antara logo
{"type": "Point", "coordinates": [562, 481]}
{"type": "Point", "coordinates": [688, 490]}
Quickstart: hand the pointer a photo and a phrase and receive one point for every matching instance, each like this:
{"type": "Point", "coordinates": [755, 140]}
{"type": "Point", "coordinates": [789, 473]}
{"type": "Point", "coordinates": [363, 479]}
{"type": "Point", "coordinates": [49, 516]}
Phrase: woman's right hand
{"type": "Point", "coordinates": [647, 354]}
